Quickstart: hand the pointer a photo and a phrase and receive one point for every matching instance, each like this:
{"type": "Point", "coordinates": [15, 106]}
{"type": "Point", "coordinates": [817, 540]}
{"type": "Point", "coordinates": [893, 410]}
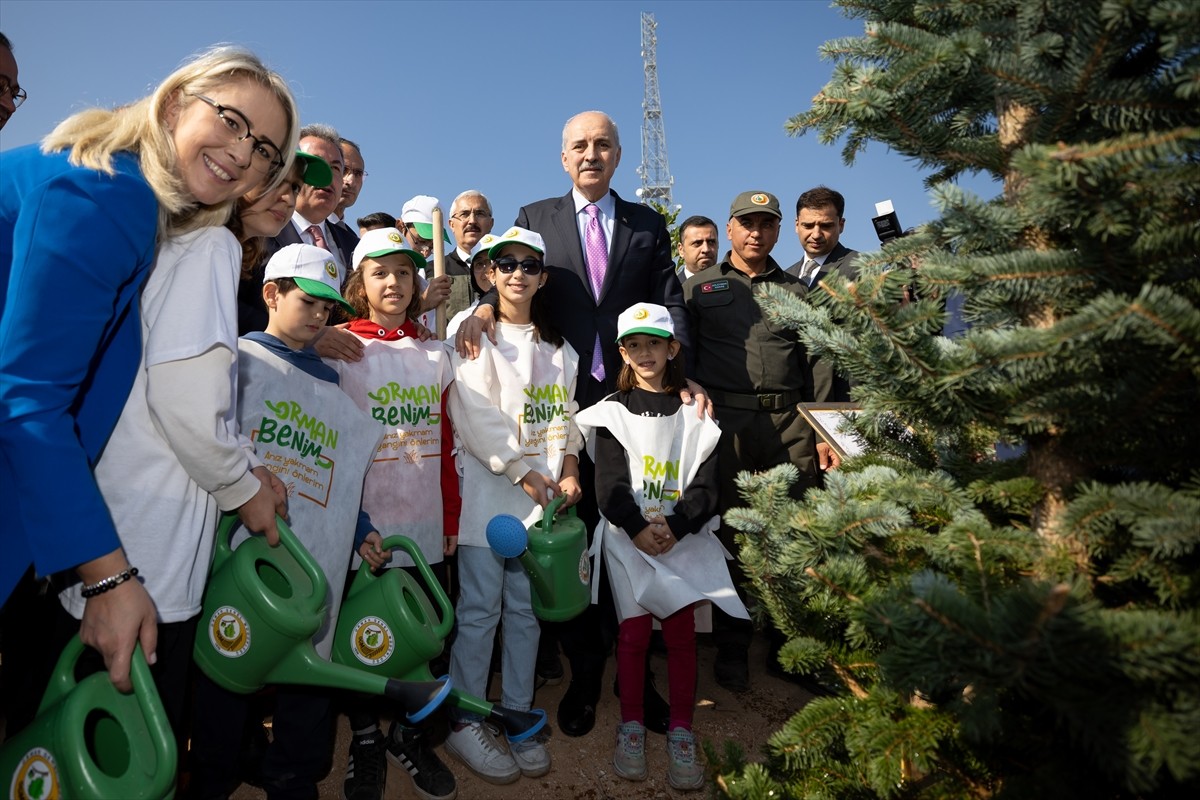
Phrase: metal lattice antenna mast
{"type": "Point", "coordinates": [656, 175]}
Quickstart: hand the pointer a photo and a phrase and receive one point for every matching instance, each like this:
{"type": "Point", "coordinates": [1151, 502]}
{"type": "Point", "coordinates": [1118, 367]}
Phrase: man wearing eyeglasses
{"type": "Point", "coordinates": [11, 93]}
{"type": "Point", "coordinates": [470, 220]}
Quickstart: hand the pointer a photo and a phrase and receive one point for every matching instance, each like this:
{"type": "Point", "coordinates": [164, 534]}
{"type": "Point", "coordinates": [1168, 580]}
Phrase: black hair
{"type": "Point", "coordinates": [378, 219]}
{"type": "Point", "coordinates": [696, 222]}
{"type": "Point", "coordinates": [820, 197]}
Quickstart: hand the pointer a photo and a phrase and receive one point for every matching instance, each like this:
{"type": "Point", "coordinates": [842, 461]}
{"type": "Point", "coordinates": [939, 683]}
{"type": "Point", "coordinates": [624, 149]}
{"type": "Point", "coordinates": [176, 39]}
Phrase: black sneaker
{"type": "Point", "coordinates": [366, 771]}
{"type": "Point", "coordinates": [410, 750]}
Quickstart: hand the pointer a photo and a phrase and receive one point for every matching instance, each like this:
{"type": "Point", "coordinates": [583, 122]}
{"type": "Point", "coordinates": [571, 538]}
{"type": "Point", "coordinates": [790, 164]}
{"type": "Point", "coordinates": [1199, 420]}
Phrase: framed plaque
{"type": "Point", "coordinates": [828, 419]}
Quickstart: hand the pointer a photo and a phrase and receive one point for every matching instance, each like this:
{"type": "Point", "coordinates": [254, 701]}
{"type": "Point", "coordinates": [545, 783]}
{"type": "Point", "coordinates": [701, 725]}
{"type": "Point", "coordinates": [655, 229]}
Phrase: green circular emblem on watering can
{"type": "Point", "coordinates": [372, 641]}
{"type": "Point", "coordinates": [585, 568]}
{"type": "Point", "coordinates": [228, 632]}
{"type": "Point", "coordinates": [36, 777]}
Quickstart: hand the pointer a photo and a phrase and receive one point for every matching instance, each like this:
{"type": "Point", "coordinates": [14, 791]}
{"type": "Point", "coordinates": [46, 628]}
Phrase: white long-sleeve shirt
{"type": "Point", "coordinates": [514, 410]}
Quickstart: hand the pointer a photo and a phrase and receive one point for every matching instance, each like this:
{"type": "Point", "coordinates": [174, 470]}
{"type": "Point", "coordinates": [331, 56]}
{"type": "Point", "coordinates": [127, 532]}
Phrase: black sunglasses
{"type": "Point", "coordinates": [508, 265]}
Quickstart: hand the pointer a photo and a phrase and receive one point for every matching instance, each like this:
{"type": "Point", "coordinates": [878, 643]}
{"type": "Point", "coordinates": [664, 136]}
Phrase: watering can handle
{"type": "Point", "coordinates": [63, 679]}
{"type": "Point", "coordinates": [166, 756]}
{"type": "Point", "coordinates": [222, 551]}
{"type": "Point", "coordinates": [366, 575]}
{"type": "Point", "coordinates": [551, 509]}
{"type": "Point", "coordinates": [228, 523]}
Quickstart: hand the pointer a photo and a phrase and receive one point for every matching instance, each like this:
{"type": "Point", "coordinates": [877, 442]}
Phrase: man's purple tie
{"type": "Point", "coordinates": [318, 239]}
{"type": "Point", "coordinates": [596, 246]}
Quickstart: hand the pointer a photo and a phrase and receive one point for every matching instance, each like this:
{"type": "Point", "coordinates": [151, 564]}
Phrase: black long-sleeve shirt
{"type": "Point", "coordinates": [614, 491]}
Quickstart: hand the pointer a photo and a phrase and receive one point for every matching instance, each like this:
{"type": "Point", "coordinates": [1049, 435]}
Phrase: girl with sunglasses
{"type": "Point", "coordinates": [514, 409]}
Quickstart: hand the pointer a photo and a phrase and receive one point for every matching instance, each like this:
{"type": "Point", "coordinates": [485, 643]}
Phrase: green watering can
{"type": "Point", "coordinates": [91, 741]}
{"type": "Point", "coordinates": [554, 555]}
{"type": "Point", "coordinates": [262, 607]}
{"type": "Point", "coordinates": [388, 627]}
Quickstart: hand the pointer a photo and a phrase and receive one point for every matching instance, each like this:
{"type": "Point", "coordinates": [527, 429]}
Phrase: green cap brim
{"type": "Point", "coordinates": [317, 171]}
{"type": "Point", "coordinates": [426, 231]}
{"type": "Point", "coordinates": [418, 260]}
{"type": "Point", "coordinates": [321, 290]}
{"type": "Point", "coordinates": [659, 332]}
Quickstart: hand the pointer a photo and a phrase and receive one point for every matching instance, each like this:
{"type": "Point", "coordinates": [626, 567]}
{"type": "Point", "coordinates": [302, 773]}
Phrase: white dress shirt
{"type": "Point", "coordinates": [302, 226]}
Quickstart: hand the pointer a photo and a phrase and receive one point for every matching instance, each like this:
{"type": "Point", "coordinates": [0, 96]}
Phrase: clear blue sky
{"type": "Point", "coordinates": [446, 96]}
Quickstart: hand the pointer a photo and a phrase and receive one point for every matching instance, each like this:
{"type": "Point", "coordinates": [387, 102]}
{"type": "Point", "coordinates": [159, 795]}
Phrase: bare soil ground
{"type": "Point", "coordinates": [583, 766]}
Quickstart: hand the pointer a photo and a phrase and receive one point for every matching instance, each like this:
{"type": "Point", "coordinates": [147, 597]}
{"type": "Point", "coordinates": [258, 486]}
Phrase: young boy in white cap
{"type": "Point", "coordinates": [301, 424]}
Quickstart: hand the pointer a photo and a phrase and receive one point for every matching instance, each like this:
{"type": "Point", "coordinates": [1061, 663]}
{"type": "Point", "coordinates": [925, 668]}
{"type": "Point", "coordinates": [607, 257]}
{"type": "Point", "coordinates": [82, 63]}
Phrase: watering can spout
{"type": "Point", "coordinates": [554, 556]}
{"type": "Point", "coordinates": [517, 725]}
{"type": "Point", "coordinates": [508, 538]}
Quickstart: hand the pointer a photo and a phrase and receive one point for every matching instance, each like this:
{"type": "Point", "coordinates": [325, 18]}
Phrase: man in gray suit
{"type": "Point", "coordinates": [819, 224]}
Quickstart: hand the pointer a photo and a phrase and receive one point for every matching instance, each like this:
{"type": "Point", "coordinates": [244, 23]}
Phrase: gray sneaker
{"type": "Point", "coordinates": [629, 756]}
{"type": "Point", "coordinates": [475, 747]}
{"type": "Point", "coordinates": [683, 772]}
{"type": "Point", "coordinates": [531, 756]}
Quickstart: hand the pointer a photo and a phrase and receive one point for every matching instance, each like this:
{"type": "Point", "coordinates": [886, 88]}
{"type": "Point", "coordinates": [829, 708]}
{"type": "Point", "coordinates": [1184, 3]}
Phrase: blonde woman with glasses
{"type": "Point", "coordinates": [81, 219]}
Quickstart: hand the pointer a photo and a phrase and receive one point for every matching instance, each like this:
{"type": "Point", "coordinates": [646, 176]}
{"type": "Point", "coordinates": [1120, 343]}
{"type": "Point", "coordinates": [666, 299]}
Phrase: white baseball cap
{"type": "Point", "coordinates": [515, 235]}
{"type": "Point", "coordinates": [485, 242]}
{"type": "Point", "coordinates": [312, 268]}
{"type": "Point", "coordinates": [649, 318]}
{"type": "Point", "coordinates": [382, 242]}
{"type": "Point", "coordinates": [419, 212]}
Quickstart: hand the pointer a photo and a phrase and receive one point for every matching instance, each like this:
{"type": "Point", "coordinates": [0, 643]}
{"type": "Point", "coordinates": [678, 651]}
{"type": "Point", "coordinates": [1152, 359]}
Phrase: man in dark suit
{"type": "Point", "coordinates": [310, 224]}
{"type": "Point", "coordinates": [603, 254]}
{"type": "Point", "coordinates": [819, 224]}
{"type": "Point", "coordinates": [639, 266]}
{"type": "Point", "coordinates": [352, 181]}
{"type": "Point", "coordinates": [697, 245]}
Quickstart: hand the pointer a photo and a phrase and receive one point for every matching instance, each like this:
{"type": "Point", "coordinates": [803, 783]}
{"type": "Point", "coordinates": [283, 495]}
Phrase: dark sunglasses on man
{"type": "Point", "coordinates": [508, 265]}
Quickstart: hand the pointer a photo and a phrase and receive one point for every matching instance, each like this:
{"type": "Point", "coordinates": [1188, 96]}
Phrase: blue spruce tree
{"type": "Point", "coordinates": [1024, 627]}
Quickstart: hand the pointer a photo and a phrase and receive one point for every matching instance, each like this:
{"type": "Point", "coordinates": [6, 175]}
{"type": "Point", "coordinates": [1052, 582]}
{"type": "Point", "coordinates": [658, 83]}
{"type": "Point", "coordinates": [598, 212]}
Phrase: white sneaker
{"type": "Point", "coordinates": [475, 747]}
{"type": "Point", "coordinates": [683, 770]}
{"type": "Point", "coordinates": [531, 756]}
{"type": "Point", "coordinates": [629, 756]}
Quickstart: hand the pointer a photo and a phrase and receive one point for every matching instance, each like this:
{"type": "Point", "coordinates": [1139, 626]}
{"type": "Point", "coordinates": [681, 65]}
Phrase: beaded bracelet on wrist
{"type": "Point", "coordinates": [111, 582]}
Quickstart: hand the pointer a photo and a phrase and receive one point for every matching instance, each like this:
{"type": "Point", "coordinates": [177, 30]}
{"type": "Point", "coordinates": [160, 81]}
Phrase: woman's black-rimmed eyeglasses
{"type": "Point", "coordinates": [265, 154]}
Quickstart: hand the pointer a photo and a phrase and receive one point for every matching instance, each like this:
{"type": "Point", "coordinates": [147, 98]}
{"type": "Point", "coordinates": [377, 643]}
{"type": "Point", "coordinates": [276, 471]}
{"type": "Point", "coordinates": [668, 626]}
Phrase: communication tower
{"type": "Point", "coordinates": [656, 175]}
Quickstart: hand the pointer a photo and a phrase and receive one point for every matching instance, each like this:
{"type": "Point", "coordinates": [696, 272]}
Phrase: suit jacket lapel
{"type": "Point", "coordinates": [568, 232]}
{"type": "Point", "coordinates": [346, 241]}
{"type": "Point", "coordinates": [289, 234]}
{"type": "Point", "coordinates": [622, 236]}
